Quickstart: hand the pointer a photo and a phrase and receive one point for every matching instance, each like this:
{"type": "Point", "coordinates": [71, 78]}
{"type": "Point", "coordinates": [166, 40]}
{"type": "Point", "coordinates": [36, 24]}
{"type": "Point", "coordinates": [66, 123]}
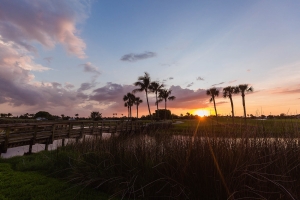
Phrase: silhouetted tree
{"type": "Point", "coordinates": [155, 87]}
{"type": "Point", "coordinates": [96, 115]}
{"type": "Point", "coordinates": [43, 114]}
{"type": "Point", "coordinates": [228, 92]}
{"type": "Point", "coordinates": [213, 92]}
{"type": "Point", "coordinates": [165, 95]}
{"type": "Point", "coordinates": [129, 100]}
{"type": "Point", "coordinates": [243, 88]}
{"type": "Point", "coordinates": [137, 102]}
{"type": "Point", "coordinates": [143, 83]}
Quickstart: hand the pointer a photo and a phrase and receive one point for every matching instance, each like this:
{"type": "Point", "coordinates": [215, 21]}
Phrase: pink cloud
{"type": "Point", "coordinates": [45, 22]}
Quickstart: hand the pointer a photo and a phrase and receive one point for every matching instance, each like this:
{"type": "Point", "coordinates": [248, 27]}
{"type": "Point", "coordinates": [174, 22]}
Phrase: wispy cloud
{"type": "Point", "coordinates": [190, 84]}
{"type": "Point", "coordinates": [218, 84]}
{"type": "Point", "coordinates": [232, 81]}
{"type": "Point", "coordinates": [199, 78]}
{"type": "Point", "coordinates": [131, 57]}
{"type": "Point", "coordinates": [171, 78]}
{"type": "Point", "coordinates": [88, 67]}
{"type": "Point", "coordinates": [48, 59]}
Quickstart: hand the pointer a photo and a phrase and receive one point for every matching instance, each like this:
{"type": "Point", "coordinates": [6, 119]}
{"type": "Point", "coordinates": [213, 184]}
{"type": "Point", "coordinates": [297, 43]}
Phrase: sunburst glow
{"type": "Point", "coordinates": [201, 113]}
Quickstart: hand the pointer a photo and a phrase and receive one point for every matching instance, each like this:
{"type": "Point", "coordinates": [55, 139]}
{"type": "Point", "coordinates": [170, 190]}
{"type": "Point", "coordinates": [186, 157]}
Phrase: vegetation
{"type": "Point", "coordinates": [129, 101]}
{"type": "Point", "coordinates": [213, 92]}
{"type": "Point", "coordinates": [137, 102]}
{"type": "Point", "coordinates": [243, 89]}
{"type": "Point", "coordinates": [156, 87]}
{"type": "Point", "coordinates": [29, 178]}
{"type": "Point", "coordinates": [228, 92]}
{"type": "Point", "coordinates": [144, 85]}
{"type": "Point", "coordinates": [212, 160]}
{"type": "Point", "coordinates": [165, 95]}
{"type": "Point", "coordinates": [95, 115]}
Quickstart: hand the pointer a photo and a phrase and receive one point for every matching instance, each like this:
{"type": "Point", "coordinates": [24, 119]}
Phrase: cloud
{"type": "Point", "coordinates": [45, 22]}
{"type": "Point", "coordinates": [187, 98]}
{"type": "Point", "coordinates": [135, 57]}
{"type": "Point", "coordinates": [69, 85]}
{"type": "Point", "coordinates": [286, 91]}
{"type": "Point", "coordinates": [56, 85]}
{"type": "Point", "coordinates": [199, 78]}
{"type": "Point", "coordinates": [232, 81]}
{"type": "Point", "coordinates": [48, 59]}
{"type": "Point", "coordinates": [217, 84]}
{"type": "Point", "coordinates": [171, 78]}
{"type": "Point", "coordinates": [88, 67]}
{"type": "Point", "coordinates": [248, 70]}
{"type": "Point", "coordinates": [190, 84]}
{"type": "Point", "coordinates": [86, 86]}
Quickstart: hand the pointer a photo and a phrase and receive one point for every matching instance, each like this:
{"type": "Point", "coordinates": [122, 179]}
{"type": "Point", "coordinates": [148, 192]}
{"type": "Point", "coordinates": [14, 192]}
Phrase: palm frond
{"type": "Point", "coordinates": [171, 98]}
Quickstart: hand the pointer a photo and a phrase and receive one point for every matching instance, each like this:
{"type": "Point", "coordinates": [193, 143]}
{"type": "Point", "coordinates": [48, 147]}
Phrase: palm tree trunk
{"type": "Point", "coordinates": [165, 109]}
{"type": "Point", "coordinates": [128, 110]}
{"type": "Point", "coordinates": [232, 110]}
{"type": "Point", "coordinates": [243, 96]}
{"type": "Point", "coordinates": [157, 105]}
{"type": "Point", "coordinates": [148, 104]}
{"type": "Point", "coordinates": [215, 107]}
{"type": "Point", "coordinates": [137, 111]}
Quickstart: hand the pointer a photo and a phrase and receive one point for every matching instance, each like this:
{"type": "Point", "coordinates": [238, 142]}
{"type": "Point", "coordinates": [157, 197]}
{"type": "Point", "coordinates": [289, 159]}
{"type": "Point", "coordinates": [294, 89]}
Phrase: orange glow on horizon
{"type": "Point", "coordinates": [201, 112]}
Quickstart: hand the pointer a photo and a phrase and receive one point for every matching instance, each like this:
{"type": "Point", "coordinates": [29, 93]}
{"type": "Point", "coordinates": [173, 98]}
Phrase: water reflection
{"type": "Point", "coordinates": [19, 151]}
{"type": "Point", "coordinates": [154, 140]}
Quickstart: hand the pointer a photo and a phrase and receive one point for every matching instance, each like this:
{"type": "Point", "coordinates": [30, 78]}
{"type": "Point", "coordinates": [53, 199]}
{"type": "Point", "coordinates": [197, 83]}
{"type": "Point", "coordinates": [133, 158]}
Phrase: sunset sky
{"type": "Point", "coordinates": [68, 57]}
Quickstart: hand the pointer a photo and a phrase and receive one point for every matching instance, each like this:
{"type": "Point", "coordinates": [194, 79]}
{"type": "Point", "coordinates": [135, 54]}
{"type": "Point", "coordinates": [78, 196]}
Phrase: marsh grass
{"type": "Point", "coordinates": [207, 160]}
{"type": "Point", "coordinates": [196, 165]}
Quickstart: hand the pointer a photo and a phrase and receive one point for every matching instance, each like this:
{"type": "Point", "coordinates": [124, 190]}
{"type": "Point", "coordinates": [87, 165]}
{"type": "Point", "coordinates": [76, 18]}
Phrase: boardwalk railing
{"type": "Point", "coordinates": [13, 135]}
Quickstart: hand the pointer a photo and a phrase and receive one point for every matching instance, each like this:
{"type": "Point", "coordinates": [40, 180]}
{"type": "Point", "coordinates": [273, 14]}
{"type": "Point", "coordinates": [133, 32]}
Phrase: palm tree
{"type": "Point", "coordinates": [228, 92]}
{"type": "Point", "coordinates": [213, 92]}
{"type": "Point", "coordinates": [77, 115]}
{"type": "Point", "coordinates": [137, 102]}
{"type": "Point", "coordinates": [165, 95]}
{"type": "Point", "coordinates": [242, 89]}
{"type": "Point", "coordinates": [129, 100]}
{"type": "Point", "coordinates": [155, 87]}
{"type": "Point", "coordinates": [126, 104]}
{"type": "Point", "coordinates": [144, 83]}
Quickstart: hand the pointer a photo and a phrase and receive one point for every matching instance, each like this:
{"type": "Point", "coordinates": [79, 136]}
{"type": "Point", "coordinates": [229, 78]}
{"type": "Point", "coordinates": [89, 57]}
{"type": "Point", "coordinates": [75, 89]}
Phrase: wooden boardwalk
{"type": "Point", "coordinates": [14, 135]}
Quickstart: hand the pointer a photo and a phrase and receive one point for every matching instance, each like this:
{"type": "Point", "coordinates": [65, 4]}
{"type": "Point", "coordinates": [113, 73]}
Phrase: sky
{"type": "Point", "coordinates": [69, 57]}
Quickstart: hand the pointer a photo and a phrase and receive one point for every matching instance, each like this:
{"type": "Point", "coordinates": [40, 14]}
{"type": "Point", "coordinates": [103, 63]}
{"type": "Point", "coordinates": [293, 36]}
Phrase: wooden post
{"type": "Point", "coordinates": [53, 130]}
{"type": "Point", "coordinates": [46, 146]}
{"type": "Point", "coordinates": [5, 145]}
{"type": "Point", "coordinates": [30, 149]}
{"type": "Point", "coordinates": [63, 142]}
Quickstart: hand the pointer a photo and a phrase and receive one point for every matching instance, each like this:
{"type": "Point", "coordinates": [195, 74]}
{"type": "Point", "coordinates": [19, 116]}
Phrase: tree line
{"type": "Point", "coordinates": [144, 84]}
{"type": "Point", "coordinates": [227, 93]}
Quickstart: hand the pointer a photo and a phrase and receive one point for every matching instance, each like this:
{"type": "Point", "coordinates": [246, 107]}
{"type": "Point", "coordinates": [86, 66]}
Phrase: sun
{"type": "Point", "coordinates": [201, 113]}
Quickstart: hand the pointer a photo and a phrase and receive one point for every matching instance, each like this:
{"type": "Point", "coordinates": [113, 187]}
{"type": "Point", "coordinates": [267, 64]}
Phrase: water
{"type": "Point", "coordinates": [19, 151]}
